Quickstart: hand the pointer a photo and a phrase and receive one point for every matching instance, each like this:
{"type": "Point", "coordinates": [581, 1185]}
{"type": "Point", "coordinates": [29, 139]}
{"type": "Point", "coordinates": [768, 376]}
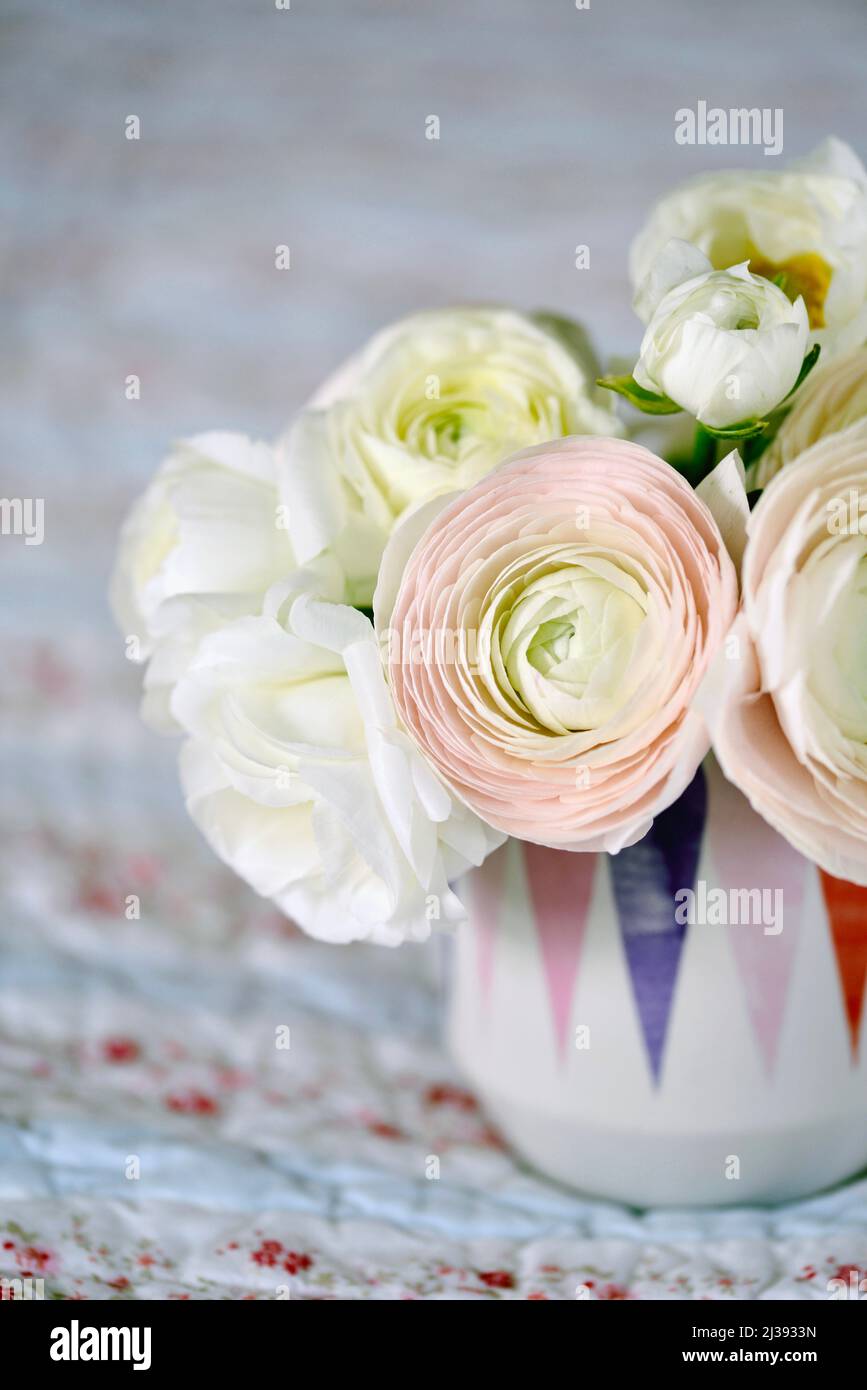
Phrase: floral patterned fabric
{"type": "Point", "coordinates": [153, 1037]}
{"type": "Point", "coordinates": [166, 1250]}
{"type": "Point", "coordinates": [198, 1102]}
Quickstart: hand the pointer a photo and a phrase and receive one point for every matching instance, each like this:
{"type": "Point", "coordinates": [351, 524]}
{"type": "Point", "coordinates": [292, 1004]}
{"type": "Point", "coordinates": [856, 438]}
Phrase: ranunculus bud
{"type": "Point", "coordinates": [723, 344]}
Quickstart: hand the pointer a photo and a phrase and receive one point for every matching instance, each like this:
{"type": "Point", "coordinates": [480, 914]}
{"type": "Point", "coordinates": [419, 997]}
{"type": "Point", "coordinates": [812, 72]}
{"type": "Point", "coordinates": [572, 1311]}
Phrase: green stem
{"type": "Point", "coordinates": [703, 455]}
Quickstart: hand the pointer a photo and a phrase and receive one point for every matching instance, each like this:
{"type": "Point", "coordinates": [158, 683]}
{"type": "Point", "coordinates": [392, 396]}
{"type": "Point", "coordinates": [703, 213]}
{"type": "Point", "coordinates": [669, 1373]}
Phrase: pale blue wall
{"type": "Point", "coordinates": [307, 127]}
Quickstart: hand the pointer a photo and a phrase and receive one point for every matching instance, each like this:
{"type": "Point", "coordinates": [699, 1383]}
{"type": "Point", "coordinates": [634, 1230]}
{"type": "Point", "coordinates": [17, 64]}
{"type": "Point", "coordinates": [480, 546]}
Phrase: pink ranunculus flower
{"type": "Point", "coordinates": [788, 707]}
{"type": "Point", "coordinates": [545, 632]}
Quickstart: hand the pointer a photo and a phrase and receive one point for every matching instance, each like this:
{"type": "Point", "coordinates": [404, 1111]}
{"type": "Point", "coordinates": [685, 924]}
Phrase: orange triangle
{"type": "Point", "coordinates": [847, 917]}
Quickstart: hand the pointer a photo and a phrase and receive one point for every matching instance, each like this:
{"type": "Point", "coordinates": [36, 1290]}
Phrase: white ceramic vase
{"type": "Point", "coordinates": [653, 1061]}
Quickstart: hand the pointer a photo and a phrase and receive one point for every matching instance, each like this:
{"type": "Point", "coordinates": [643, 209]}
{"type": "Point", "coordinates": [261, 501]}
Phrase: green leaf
{"type": "Point", "coordinates": [807, 366]}
{"type": "Point", "coordinates": [747, 429]}
{"type": "Point", "coordinates": [646, 401]}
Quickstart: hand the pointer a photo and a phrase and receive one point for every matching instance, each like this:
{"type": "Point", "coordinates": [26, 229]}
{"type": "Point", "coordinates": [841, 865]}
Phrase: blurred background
{"type": "Point", "coordinates": [152, 1038]}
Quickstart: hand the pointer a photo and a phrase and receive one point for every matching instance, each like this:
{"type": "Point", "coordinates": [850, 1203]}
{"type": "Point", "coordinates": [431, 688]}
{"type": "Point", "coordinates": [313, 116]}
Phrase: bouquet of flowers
{"type": "Point", "coordinates": [458, 601]}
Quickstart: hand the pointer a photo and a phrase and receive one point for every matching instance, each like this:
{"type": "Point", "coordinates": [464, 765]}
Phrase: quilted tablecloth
{"type": "Point", "coordinates": [195, 1101]}
{"type": "Point", "coordinates": [198, 1102]}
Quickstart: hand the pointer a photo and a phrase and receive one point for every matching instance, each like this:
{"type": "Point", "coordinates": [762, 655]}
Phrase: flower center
{"type": "Point", "coordinates": [471, 411]}
{"type": "Point", "coordinates": [807, 274]}
{"type": "Point", "coordinates": [568, 645]}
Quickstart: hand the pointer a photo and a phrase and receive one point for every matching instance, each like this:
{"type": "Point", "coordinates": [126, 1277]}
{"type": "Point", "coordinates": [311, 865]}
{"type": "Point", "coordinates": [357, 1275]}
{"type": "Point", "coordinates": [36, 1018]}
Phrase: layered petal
{"type": "Point", "coordinates": [300, 778]}
{"type": "Point", "coordinates": [833, 397]}
{"type": "Point", "coordinates": [431, 405]}
{"type": "Point", "coordinates": [806, 223]}
{"type": "Point", "coordinates": [198, 549]}
{"type": "Point", "coordinates": [547, 634]}
{"type": "Point", "coordinates": [788, 701]}
{"type": "Point", "coordinates": [725, 345]}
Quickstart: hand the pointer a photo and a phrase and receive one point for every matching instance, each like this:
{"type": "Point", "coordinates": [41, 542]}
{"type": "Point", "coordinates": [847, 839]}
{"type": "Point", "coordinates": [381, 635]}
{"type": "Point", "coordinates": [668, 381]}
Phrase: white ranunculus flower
{"type": "Point", "coordinates": [807, 222]}
{"type": "Point", "coordinates": [725, 345]}
{"type": "Point", "coordinates": [301, 780]}
{"type": "Point", "coordinates": [430, 405]}
{"type": "Point", "coordinates": [832, 398]}
{"type": "Point", "coordinates": [198, 549]}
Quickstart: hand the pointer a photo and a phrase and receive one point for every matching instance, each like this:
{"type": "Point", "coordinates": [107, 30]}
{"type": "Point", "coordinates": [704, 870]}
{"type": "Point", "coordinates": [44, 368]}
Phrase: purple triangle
{"type": "Point", "coordinates": [645, 878]}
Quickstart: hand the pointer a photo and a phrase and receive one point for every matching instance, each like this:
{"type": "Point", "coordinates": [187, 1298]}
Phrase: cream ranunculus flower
{"type": "Point", "coordinates": [198, 549]}
{"type": "Point", "coordinates": [807, 222]}
{"type": "Point", "coordinates": [301, 780]}
{"type": "Point", "coordinates": [725, 345]}
{"type": "Point", "coordinates": [832, 398]}
{"type": "Point", "coordinates": [787, 702]}
{"type": "Point", "coordinates": [430, 405]}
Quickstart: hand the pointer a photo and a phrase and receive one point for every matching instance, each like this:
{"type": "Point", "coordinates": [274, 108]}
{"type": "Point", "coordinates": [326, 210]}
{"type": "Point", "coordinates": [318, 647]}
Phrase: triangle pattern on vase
{"type": "Point", "coordinates": [745, 851]}
{"type": "Point", "coordinates": [644, 880]}
{"type": "Point", "coordinates": [560, 887]}
{"type": "Point", "coordinates": [847, 920]}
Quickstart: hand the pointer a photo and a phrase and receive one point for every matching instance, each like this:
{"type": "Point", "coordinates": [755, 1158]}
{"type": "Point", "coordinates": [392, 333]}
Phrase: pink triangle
{"type": "Point", "coordinates": [749, 854]}
{"type": "Point", "coordinates": [560, 885]}
{"type": "Point", "coordinates": [487, 896]}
